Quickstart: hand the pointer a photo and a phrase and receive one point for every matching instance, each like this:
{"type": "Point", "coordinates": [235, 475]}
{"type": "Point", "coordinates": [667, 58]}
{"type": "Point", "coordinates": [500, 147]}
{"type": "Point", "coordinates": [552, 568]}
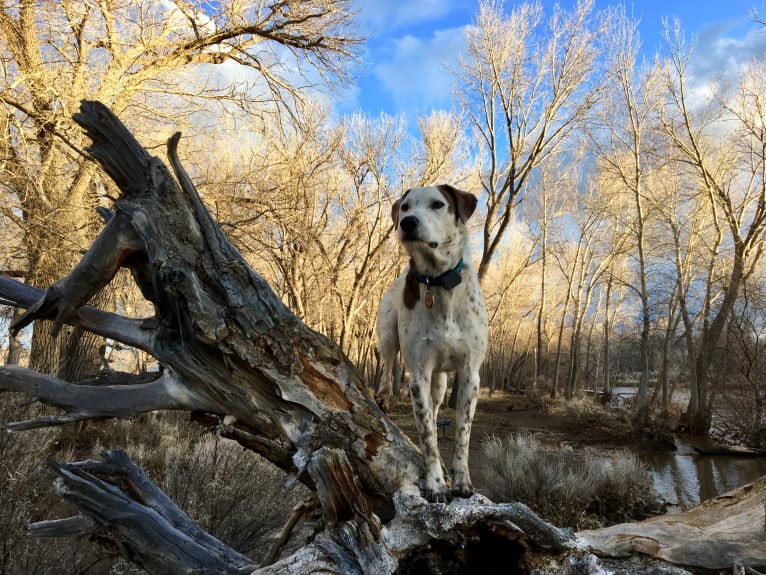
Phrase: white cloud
{"type": "Point", "coordinates": [717, 52]}
{"type": "Point", "coordinates": [403, 63]}
{"type": "Point", "coordinates": [720, 54]}
{"type": "Point", "coordinates": [415, 72]}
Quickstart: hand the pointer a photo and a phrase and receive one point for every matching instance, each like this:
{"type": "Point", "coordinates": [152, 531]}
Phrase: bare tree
{"type": "Point", "coordinates": [611, 298]}
{"type": "Point", "coordinates": [138, 56]}
{"type": "Point", "coordinates": [371, 158]}
{"type": "Point", "coordinates": [743, 394]}
{"type": "Point", "coordinates": [686, 239]}
{"type": "Point", "coordinates": [442, 153]}
{"type": "Point", "coordinates": [510, 304]}
{"type": "Point", "coordinates": [729, 178]}
{"type": "Point", "coordinates": [310, 202]}
{"type": "Point", "coordinates": [286, 202]}
{"type": "Point", "coordinates": [549, 209]}
{"type": "Point", "coordinates": [623, 142]}
{"type": "Point", "coordinates": [583, 260]}
{"type": "Point", "coordinates": [524, 87]}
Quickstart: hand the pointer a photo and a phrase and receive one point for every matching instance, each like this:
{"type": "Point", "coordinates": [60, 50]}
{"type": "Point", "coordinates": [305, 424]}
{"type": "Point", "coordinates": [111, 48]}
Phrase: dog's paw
{"type": "Point", "coordinates": [463, 491]}
{"type": "Point", "coordinates": [461, 484]}
{"type": "Point", "coordinates": [437, 496]}
{"type": "Point", "coordinates": [434, 488]}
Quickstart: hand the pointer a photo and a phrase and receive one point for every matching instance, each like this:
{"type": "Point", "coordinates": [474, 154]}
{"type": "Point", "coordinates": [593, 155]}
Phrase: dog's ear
{"type": "Point", "coordinates": [465, 202]}
{"type": "Point", "coordinates": [395, 209]}
{"type": "Point", "coordinates": [411, 293]}
{"type": "Point", "coordinates": [395, 212]}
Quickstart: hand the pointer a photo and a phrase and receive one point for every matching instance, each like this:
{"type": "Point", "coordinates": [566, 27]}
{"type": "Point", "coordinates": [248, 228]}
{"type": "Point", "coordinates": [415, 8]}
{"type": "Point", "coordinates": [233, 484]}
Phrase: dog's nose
{"type": "Point", "coordinates": [409, 224]}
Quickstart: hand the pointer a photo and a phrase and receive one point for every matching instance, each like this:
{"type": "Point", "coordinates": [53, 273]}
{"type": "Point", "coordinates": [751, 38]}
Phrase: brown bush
{"type": "Point", "coordinates": [233, 494]}
{"type": "Point", "coordinates": [569, 488]}
{"type": "Point", "coordinates": [26, 496]}
{"type": "Point", "coordinates": [236, 495]}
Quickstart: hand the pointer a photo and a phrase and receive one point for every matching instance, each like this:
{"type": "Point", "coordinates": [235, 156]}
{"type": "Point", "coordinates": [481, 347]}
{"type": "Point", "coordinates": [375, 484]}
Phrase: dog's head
{"type": "Point", "coordinates": [430, 224]}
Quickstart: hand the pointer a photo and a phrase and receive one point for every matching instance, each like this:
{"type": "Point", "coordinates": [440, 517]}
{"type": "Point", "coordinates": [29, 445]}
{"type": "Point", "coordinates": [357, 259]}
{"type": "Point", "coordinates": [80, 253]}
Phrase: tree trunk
{"type": "Point", "coordinates": [13, 357]}
{"type": "Point", "coordinates": [607, 332]}
{"type": "Point", "coordinates": [53, 244]}
{"type": "Point", "coordinates": [700, 409]}
{"type": "Point", "coordinates": [560, 343]}
{"type": "Point", "coordinates": [233, 354]}
{"type": "Point", "coordinates": [541, 309]}
{"type": "Point", "coordinates": [573, 373]}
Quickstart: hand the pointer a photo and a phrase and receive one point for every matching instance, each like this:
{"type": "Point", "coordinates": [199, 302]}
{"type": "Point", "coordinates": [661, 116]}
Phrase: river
{"type": "Point", "coordinates": [684, 478]}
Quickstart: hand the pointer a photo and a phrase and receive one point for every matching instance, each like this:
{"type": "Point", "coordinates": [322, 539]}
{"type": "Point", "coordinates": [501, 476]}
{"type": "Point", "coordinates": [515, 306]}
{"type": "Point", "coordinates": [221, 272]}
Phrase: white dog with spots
{"type": "Point", "coordinates": [435, 314]}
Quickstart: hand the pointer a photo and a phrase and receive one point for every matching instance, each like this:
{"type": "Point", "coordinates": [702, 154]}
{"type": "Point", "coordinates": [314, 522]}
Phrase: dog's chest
{"type": "Point", "coordinates": [447, 334]}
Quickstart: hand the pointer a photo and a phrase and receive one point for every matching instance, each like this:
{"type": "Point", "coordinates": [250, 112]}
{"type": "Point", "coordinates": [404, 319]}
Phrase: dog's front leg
{"type": "Point", "coordinates": [435, 488]}
{"type": "Point", "coordinates": [468, 393]}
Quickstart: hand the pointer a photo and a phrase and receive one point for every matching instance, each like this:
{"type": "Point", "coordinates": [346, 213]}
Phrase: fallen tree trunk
{"type": "Point", "coordinates": [721, 533]}
{"type": "Point", "coordinates": [233, 354]}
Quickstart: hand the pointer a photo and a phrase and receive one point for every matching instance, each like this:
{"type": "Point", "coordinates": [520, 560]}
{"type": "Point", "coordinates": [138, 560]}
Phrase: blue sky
{"type": "Point", "coordinates": [410, 42]}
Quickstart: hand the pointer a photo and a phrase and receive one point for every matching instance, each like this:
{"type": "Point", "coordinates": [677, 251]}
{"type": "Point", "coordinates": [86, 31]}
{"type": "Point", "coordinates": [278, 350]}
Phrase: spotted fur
{"type": "Point", "coordinates": [450, 336]}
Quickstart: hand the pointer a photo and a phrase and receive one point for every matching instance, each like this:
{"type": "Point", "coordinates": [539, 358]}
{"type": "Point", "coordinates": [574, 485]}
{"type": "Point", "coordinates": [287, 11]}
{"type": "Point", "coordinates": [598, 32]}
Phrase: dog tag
{"type": "Point", "coordinates": [428, 300]}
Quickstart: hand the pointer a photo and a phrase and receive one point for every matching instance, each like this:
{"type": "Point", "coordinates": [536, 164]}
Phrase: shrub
{"type": "Point", "coordinates": [540, 395]}
{"type": "Point", "coordinates": [26, 496]}
{"type": "Point", "coordinates": [741, 372]}
{"type": "Point", "coordinates": [568, 488]}
{"type": "Point", "coordinates": [235, 495]}
{"type": "Point", "coordinates": [583, 411]}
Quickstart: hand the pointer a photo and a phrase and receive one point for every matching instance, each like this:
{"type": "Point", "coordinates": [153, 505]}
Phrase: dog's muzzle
{"type": "Point", "coordinates": [410, 226]}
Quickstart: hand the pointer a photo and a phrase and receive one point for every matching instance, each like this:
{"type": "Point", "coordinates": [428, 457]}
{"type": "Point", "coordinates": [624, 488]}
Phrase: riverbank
{"type": "Point", "coordinates": [683, 477]}
{"type": "Point", "coordinates": [505, 413]}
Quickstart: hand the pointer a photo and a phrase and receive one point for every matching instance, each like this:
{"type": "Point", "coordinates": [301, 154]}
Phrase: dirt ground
{"type": "Point", "coordinates": [509, 413]}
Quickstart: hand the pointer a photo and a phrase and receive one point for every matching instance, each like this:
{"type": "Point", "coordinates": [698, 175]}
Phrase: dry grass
{"type": "Point", "coordinates": [568, 488]}
{"type": "Point", "coordinates": [26, 496]}
{"type": "Point", "coordinates": [233, 494]}
{"type": "Point", "coordinates": [241, 499]}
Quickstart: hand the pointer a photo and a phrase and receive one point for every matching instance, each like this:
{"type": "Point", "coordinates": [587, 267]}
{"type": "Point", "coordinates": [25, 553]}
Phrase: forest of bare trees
{"type": "Point", "coordinates": [622, 202]}
{"type": "Point", "coordinates": [618, 238]}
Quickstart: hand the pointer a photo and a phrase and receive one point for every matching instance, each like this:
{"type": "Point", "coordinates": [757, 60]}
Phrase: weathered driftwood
{"type": "Point", "coordinates": [235, 355]}
{"type": "Point", "coordinates": [718, 534]}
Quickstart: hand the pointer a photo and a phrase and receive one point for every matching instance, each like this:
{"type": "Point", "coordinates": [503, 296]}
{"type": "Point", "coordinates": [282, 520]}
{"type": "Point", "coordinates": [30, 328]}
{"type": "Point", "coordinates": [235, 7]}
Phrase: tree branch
{"type": "Point", "coordinates": [82, 402]}
{"type": "Point", "coordinates": [124, 505]}
{"type": "Point", "coordinates": [137, 333]}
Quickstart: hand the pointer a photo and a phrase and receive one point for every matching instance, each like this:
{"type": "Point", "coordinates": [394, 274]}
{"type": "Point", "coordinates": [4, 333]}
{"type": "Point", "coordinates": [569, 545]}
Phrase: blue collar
{"type": "Point", "coordinates": [447, 280]}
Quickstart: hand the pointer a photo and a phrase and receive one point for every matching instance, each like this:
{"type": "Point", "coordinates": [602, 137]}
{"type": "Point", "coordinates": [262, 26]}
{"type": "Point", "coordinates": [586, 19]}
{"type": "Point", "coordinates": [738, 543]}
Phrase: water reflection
{"type": "Point", "coordinates": [686, 479]}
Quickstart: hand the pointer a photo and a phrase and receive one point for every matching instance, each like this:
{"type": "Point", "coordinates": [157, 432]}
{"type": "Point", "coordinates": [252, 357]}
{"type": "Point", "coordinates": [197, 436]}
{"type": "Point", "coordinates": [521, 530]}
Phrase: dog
{"type": "Point", "coordinates": [434, 313]}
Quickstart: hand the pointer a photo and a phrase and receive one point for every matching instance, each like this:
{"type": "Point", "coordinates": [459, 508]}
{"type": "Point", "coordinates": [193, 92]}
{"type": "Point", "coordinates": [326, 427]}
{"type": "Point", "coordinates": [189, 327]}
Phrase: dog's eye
{"type": "Point", "coordinates": [437, 205]}
{"type": "Point", "coordinates": [404, 207]}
